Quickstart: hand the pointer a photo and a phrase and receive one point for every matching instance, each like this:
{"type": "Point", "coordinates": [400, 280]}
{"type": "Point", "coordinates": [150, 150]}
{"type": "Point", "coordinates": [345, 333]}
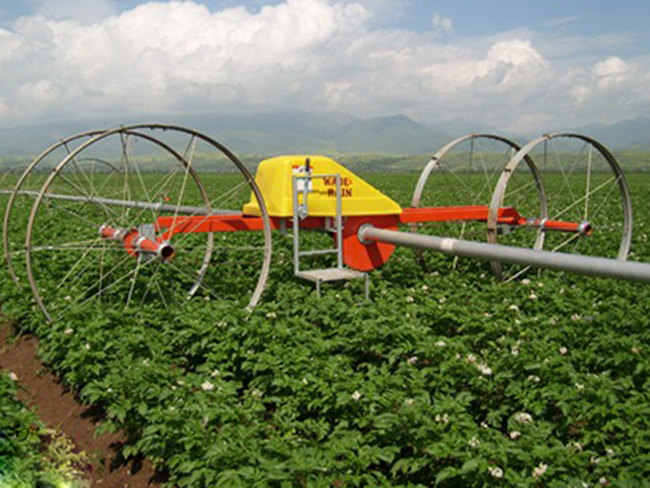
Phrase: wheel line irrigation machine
{"type": "Point", "coordinates": [99, 223]}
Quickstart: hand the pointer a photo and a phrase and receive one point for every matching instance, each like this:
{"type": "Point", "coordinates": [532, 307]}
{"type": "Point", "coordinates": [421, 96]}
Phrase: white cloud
{"type": "Point", "coordinates": [172, 56]}
{"type": "Point", "coordinates": [615, 86]}
{"type": "Point", "coordinates": [612, 71]}
{"type": "Point", "coordinates": [515, 53]}
{"type": "Point", "coordinates": [298, 55]}
{"type": "Point", "coordinates": [384, 10]}
{"type": "Point", "coordinates": [442, 24]}
{"type": "Point", "coordinates": [563, 21]}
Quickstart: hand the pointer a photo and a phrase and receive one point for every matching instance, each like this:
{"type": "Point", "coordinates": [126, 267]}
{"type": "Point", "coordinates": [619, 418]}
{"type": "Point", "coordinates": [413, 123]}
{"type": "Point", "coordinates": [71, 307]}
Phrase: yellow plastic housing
{"type": "Point", "coordinates": [274, 178]}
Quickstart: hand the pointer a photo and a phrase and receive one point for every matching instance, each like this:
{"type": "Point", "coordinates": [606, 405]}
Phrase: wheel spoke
{"type": "Point", "coordinates": [578, 201]}
{"type": "Point", "coordinates": [581, 179]}
{"type": "Point", "coordinates": [87, 192]}
{"type": "Point", "coordinates": [206, 217]}
{"type": "Point", "coordinates": [133, 280]}
{"type": "Point", "coordinates": [101, 290]}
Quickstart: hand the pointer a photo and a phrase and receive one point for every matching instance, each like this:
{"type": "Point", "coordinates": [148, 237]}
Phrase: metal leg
{"type": "Point", "coordinates": [300, 185]}
{"type": "Point", "coordinates": [296, 227]}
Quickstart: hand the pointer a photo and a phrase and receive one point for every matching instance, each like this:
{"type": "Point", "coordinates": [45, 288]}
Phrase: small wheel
{"type": "Point", "coordinates": [22, 198]}
{"type": "Point", "coordinates": [584, 186]}
{"type": "Point", "coordinates": [463, 173]}
{"type": "Point", "coordinates": [92, 235]}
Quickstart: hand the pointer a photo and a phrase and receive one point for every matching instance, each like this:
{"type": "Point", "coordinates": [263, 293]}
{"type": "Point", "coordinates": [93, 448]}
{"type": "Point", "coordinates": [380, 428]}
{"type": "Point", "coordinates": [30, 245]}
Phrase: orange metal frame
{"type": "Point", "coordinates": [356, 254]}
{"type": "Point", "coordinates": [241, 223]}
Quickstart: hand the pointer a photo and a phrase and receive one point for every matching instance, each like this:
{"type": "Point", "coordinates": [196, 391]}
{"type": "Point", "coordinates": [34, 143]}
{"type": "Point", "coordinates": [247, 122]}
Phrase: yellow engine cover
{"type": "Point", "coordinates": [274, 178]}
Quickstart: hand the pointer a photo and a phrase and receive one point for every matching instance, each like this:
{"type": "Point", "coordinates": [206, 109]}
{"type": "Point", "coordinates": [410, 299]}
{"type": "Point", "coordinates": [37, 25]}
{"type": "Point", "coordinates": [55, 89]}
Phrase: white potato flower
{"type": "Point", "coordinates": [539, 471]}
{"type": "Point", "coordinates": [496, 472]}
{"type": "Point", "coordinates": [523, 418]}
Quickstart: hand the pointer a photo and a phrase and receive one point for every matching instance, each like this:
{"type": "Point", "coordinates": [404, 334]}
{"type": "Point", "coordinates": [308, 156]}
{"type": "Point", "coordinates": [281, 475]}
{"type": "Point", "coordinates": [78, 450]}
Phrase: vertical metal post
{"type": "Point", "coordinates": [305, 191]}
{"type": "Point", "coordinates": [589, 161]}
{"type": "Point", "coordinates": [296, 225]}
{"type": "Point", "coordinates": [339, 223]}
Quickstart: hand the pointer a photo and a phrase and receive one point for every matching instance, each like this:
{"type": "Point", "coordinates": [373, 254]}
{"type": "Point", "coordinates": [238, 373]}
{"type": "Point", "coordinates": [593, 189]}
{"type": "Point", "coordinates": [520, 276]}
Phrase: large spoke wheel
{"type": "Point", "coordinates": [465, 173]}
{"type": "Point", "coordinates": [520, 193]}
{"type": "Point", "coordinates": [92, 236]}
{"type": "Point", "coordinates": [21, 198]}
{"type": "Point", "coordinates": [584, 185]}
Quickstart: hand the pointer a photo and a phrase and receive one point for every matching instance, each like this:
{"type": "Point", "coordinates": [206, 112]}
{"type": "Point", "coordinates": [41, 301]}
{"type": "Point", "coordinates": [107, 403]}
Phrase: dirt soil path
{"type": "Point", "coordinates": [59, 409]}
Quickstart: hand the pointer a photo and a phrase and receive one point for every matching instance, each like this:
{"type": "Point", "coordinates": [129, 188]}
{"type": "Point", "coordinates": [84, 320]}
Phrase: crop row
{"type": "Point", "coordinates": [444, 377]}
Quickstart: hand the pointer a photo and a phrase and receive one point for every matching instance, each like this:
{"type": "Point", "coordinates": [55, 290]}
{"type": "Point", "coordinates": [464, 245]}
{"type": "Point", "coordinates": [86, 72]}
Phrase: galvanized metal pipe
{"type": "Point", "coordinates": [573, 263]}
{"type": "Point", "coordinates": [156, 207]}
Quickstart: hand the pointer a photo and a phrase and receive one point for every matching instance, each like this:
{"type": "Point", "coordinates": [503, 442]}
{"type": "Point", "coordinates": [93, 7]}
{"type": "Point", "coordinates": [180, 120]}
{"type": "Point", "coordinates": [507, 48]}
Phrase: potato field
{"type": "Point", "coordinates": [447, 376]}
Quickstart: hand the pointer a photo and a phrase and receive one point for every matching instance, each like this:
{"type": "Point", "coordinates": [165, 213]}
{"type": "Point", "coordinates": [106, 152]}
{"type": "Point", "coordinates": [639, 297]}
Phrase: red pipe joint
{"type": "Point", "coordinates": [136, 244]}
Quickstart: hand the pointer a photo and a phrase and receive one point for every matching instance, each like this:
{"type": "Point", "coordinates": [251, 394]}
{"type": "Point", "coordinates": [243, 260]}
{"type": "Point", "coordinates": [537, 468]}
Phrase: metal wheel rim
{"type": "Point", "coordinates": [626, 202]}
{"type": "Point", "coordinates": [134, 130]}
{"type": "Point", "coordinates": [498, 198]}
{"type": "Point", "coordinates": [434, 161]}
{"type": "Point", "coordinates": [17, 189]}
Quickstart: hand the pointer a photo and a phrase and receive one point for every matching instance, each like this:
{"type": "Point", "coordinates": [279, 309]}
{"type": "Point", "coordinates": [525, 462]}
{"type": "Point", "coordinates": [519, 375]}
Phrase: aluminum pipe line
{"type": "Point", "coordinates": [573, 263]}
{"type": "Point", "coordinates": [156, 207]}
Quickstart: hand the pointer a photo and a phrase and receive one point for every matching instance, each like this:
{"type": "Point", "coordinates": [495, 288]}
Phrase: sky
{"type": "Point", "coordinates": [517, 66]}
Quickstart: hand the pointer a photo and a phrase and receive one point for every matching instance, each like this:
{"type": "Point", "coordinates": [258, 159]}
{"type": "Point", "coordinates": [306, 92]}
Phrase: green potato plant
{"type": "Point", "coordinates": [446, 377]}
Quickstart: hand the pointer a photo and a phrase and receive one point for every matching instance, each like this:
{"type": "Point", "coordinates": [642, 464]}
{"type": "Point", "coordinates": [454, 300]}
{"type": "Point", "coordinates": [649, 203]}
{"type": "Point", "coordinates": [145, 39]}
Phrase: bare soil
{"type": "Point", "coordinates": [58, 408]}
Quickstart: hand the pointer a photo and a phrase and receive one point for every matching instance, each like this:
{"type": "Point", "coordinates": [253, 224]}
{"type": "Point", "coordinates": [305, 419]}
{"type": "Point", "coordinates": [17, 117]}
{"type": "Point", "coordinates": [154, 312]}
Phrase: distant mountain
{"type": "Point", "coordinates": [334, 133]}
{"type": "Point", "coordinates": [263, 134]}
{"type": "Point", "coordinates": [630, 134]}
{"type": "Point", "coordinates": [460, 127]}
{"type": "Point", "coordinates": [389, 135]}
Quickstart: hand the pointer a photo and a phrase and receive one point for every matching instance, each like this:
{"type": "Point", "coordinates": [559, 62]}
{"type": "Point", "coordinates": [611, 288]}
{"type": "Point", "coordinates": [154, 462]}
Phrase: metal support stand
{"type": "Point", "coordinates": [301, 185]}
